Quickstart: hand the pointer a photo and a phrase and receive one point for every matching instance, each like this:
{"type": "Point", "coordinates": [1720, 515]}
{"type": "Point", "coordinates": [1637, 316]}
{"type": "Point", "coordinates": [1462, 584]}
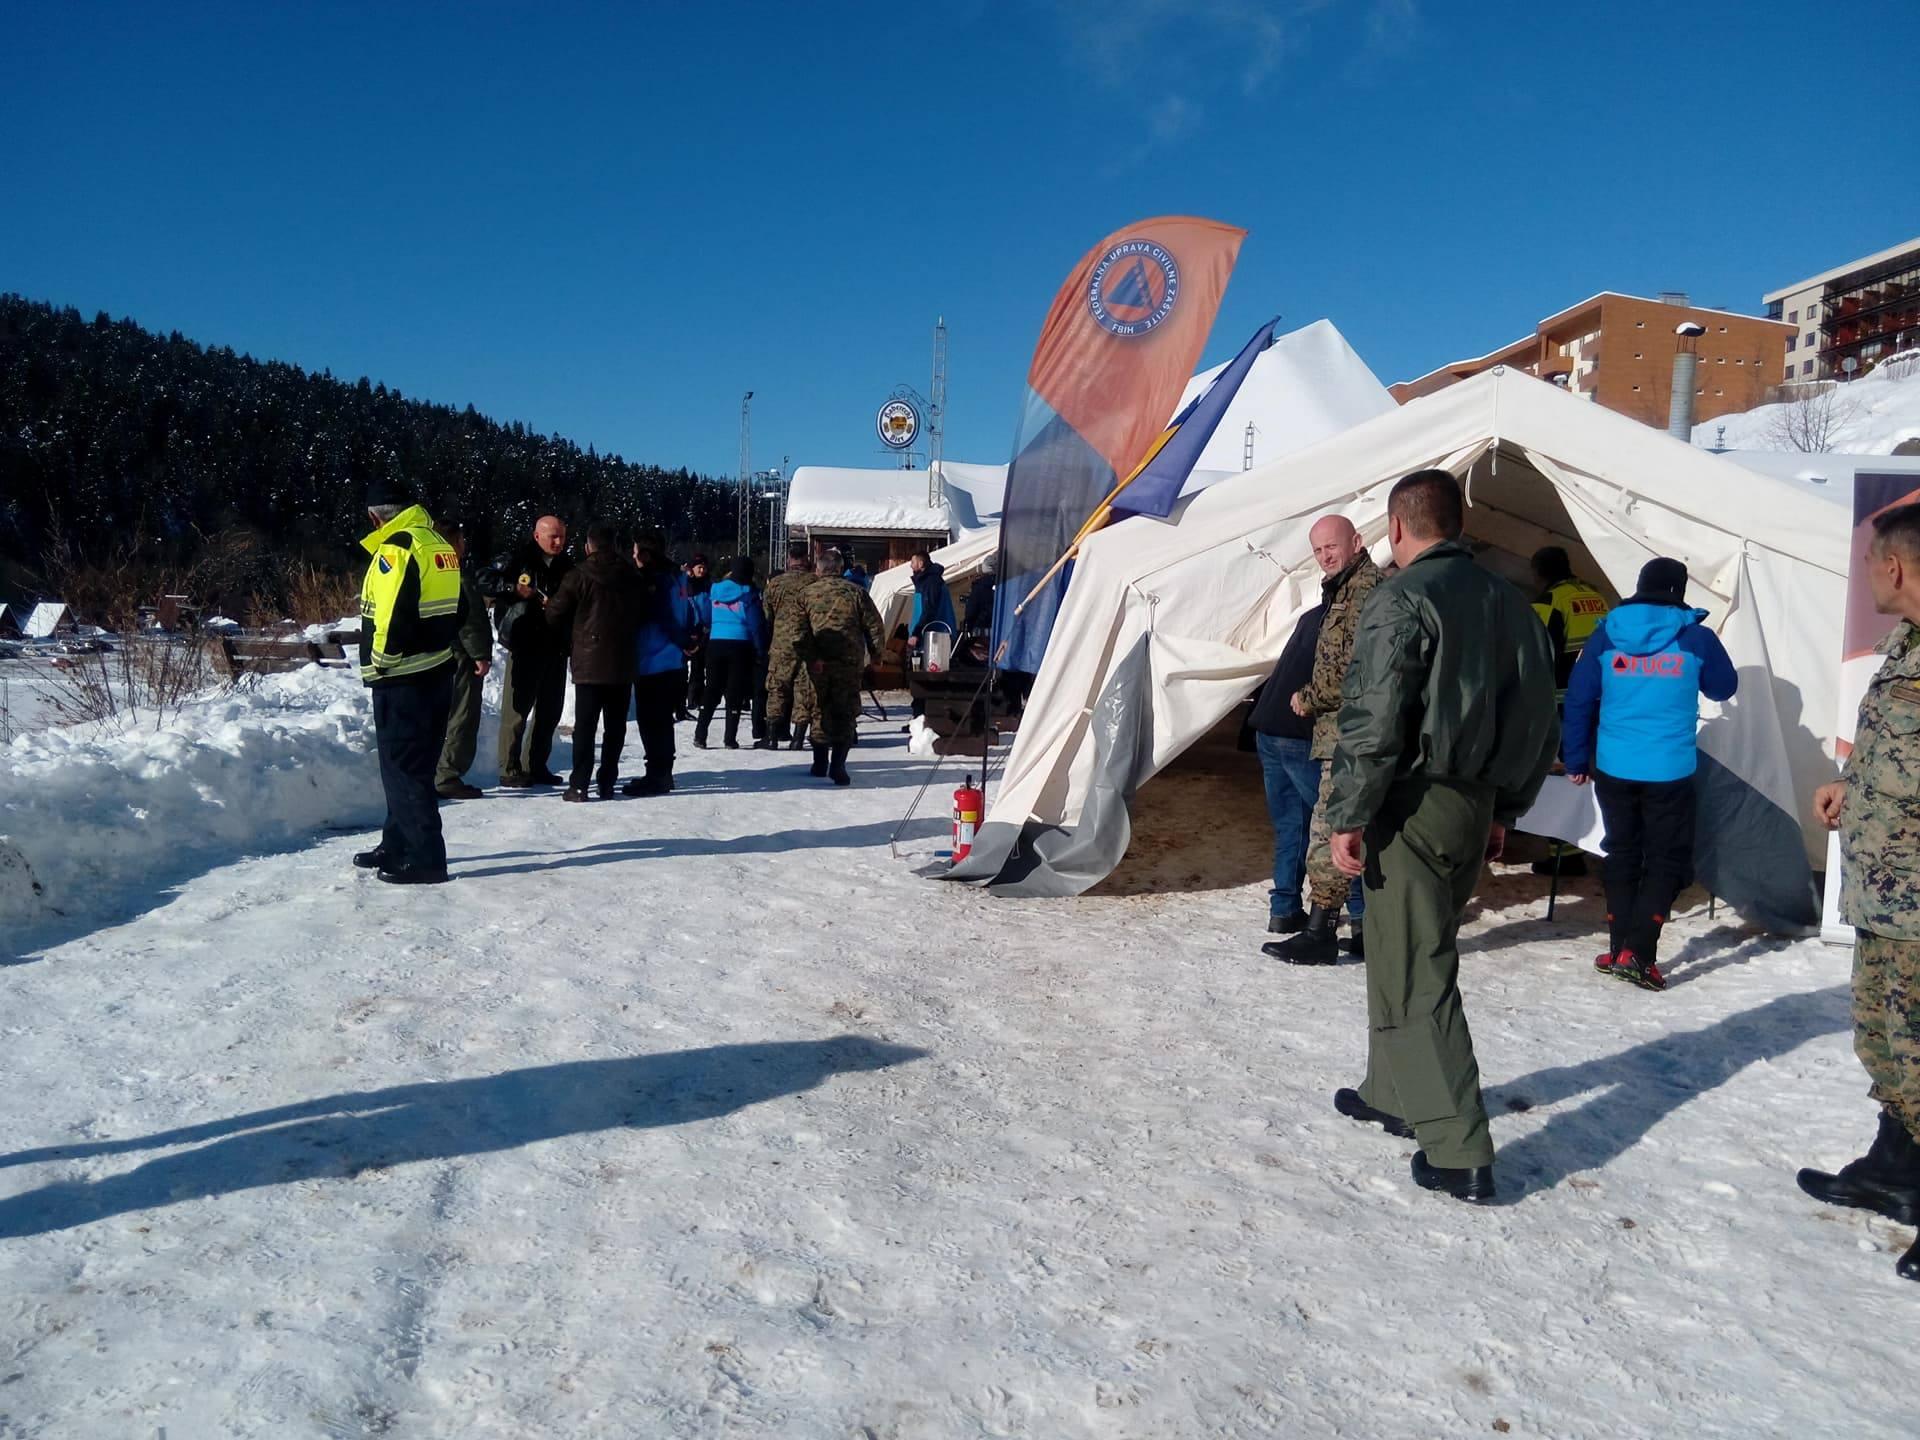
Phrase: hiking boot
{"type": "Point", "coordinates": [1356, 943]}
{"type": "Point", "coordinates": [371, 859]}
{"type": "Point", "coordinates": [1290, 923]}
{"type": "Point", "coordinates": [652, 783]}
{"type": "Point", "coordinates": [1605, 961]}
{"type": "Point", "coordinates": [1885, 1180]}
{"type": "Point", "coordinates": [1473, 1185]}
{"type": "Point", "coordinates": [1316, 944]}
{"type": "Point", "coordinates": [415, 875]}
{"type": "Point", "coordinates": [514, 780]}
{"type": "Point", "coordinates": [458, 790]}
{"type": "Point", "coordinates": [544, 778]}
{"type": "Point", "coordinates": [1349, 1104]}
{"type": "Point", "coordinates": [837, 766]}
{"type": "Point", "coordinates": [575, 796]}
{"type": "Point", "coordinates": [1631, 968]}
{"type": "Point", "coordinates": [819, 768]}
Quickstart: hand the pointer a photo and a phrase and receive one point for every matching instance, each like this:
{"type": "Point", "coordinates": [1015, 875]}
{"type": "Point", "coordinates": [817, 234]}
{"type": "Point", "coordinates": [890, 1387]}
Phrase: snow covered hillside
{"type": "Point", "coordinates": [1868, 417]}
{"type": "Point", "coordinates": [703, 1116]}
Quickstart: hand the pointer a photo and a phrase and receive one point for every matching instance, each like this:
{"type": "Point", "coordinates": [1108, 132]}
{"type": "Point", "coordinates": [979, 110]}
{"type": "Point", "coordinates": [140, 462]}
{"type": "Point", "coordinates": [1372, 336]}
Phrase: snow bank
{"type": "Point", "coordinates": [91, 820]}
{"type": "Point", "coordinates": [1870, 416]}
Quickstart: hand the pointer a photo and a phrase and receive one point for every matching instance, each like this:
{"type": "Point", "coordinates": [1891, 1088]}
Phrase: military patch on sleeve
{"type": "Point", "coordinates": [1910, 694]}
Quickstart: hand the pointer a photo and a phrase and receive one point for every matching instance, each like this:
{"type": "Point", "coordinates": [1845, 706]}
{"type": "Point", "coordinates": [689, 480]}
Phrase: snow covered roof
{"type": "Point", "coordinates": [1830, 477]}
{"type": "Point", "coordinates": [49, 618]}
{"type": "Point", "coordinates": [841, 499]}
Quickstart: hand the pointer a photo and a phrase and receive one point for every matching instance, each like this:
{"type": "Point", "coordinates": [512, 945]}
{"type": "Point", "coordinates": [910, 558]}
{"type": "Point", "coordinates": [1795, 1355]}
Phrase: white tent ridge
{"type": "Point", "coordinates": [1167, 627]}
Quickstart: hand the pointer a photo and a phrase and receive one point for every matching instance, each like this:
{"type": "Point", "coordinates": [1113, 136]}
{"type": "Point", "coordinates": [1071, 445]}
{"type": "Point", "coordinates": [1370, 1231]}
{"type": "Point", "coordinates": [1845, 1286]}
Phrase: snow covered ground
{"type": "Point", "coordinates": [1870, 416]}
{"type": "Point", "coordinates": [703, 1116]}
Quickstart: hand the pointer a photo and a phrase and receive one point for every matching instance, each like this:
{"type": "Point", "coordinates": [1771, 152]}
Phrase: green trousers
{"type": "Point", "coordinates": [1886, 1021]}
{"type": "Point", "coordinates": [463, 724]}
{"type": "Point", "coordinates": [1426, 849]}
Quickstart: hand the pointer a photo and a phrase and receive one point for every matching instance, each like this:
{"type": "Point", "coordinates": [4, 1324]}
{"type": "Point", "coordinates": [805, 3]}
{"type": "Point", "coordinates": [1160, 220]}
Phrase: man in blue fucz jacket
{"type": "Point", "coordinates": [1633, 707]}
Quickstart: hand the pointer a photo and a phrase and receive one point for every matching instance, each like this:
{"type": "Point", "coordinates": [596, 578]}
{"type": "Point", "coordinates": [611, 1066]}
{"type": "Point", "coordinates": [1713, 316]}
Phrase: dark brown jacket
{"type": "Point", "coordinates": [602, 601]}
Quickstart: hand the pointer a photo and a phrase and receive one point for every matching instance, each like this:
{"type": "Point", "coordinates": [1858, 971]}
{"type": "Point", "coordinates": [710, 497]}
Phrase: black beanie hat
{"type": "Point", "coordinates": [387, 491]}
{"type": "Point", "coordinates": [741, 571]}
{"type": "Point", "coordinates": [1662, 582]}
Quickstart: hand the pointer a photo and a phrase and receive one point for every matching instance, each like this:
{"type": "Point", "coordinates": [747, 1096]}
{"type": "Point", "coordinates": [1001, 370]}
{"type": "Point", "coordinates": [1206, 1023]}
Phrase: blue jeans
{"type": "Point", "coordinates": [1293, 783]}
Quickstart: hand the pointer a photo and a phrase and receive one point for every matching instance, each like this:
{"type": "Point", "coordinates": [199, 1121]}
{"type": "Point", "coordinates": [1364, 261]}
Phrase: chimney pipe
{"type": "Point", "coordinates": [1686, 365]}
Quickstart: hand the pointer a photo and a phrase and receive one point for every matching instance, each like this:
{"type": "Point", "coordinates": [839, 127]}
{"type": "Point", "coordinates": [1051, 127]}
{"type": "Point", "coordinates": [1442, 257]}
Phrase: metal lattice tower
{"type": "Point", "coordinates": [744, 507]}
{"type": "Point", "coordinates": [937, 415]}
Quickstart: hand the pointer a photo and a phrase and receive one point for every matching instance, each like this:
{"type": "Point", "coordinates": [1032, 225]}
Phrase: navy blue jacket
{"type": "Point", "coordinates": [1633, 702]}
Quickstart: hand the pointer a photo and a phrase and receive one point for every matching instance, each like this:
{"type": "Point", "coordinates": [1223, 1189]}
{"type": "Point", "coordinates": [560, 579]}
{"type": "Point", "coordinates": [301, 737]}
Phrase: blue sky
{"type": "Point", "coordinates": [610, 220]}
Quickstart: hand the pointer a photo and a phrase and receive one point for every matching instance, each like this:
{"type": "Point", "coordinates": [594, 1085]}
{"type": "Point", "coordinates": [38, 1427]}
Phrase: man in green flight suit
{"type": "Point", "coordinates": [1447, 731]}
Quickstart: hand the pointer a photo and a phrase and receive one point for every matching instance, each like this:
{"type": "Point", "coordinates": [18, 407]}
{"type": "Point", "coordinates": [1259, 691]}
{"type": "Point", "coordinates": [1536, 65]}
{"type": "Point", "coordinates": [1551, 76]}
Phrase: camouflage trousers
{"type": "Point", "coordinates": [1328, 887]}
{"type": "Point", "coordinates": [836, 695]}
{"type": "Point", "coordinates": [789, 688]}
{"type": "Point", "coordinates": [1886, 1022]}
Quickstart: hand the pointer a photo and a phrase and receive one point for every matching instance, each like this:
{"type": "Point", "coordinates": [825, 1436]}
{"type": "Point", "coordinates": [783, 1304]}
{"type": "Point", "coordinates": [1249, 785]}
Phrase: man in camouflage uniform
{"type": "Point", "coordinates": [1350, 576]}
{"type": "Point", "coordinates": [1875, 806]}
{"type": "Point", "coordinates": [839, 628]}
{"type": "Point", "coordinates": [789, 688]}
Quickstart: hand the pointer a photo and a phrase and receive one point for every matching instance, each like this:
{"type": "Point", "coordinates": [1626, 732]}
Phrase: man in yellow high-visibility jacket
{"type": "Point", "coordinates": [1571, 610]}
{"type": "Point", "coordinates": [409, 610]}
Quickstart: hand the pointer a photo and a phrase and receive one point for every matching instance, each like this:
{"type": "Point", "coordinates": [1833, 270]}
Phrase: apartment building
{"type": "Point", "coordinates": [1617, 351]}
{"type": "Point", "coordinates": [1859, 311]}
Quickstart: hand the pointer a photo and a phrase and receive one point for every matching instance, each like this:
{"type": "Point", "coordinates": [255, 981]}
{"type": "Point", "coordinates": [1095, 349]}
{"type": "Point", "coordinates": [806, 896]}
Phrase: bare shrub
{"type": "Point", "coordinates": [1811, 419]}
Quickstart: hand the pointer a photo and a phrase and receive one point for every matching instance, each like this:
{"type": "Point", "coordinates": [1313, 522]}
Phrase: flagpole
{"type": "Point", "coordinates": [1101, 514]}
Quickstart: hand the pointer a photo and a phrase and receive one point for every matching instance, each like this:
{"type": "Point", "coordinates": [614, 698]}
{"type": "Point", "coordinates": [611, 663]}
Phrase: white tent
{"type": "Point", "coordinates": [49, 618]}
{"type": "Point", "coordinates": [1167, 627]}
{"type": "Point", "coordinates": [1307, 385]}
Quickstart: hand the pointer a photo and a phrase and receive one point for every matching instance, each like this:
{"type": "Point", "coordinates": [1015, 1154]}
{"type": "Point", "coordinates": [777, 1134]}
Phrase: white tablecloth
{"type": "Point", "coordinates": [1565, 811]}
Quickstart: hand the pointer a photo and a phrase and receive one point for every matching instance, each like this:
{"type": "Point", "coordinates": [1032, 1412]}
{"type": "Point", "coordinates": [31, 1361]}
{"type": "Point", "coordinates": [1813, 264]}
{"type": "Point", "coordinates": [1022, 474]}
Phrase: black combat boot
{"type": "Point", "coordinates": [837, 765]}
{"type": "Point", "coordinates": [1318, 942]}
{"type": "Point", "coordinates": [1349, 1104]}
{"type": "Point", "coordinates": [819, 770]}
{"type": "Point", "coordinates": [800, 738]}
{"type": "Point", "coordinates": [1885, 1180]}
{"type": "Point", "coordinates": [372, 859]}
{"type": "Point", "coordinates": [1472, 1184]}
{"type": "Point", "coordinates": [654, 782]}
{"type": "Point", "coordinates": [1290, 923]}
{"type": "Point", "coordinates": [1357, 941]}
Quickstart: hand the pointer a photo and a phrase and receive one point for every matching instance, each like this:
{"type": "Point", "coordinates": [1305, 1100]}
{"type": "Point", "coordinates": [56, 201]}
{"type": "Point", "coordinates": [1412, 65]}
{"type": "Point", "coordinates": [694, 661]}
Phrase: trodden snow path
{"type": "Point", "coordinates": [702, 1116]}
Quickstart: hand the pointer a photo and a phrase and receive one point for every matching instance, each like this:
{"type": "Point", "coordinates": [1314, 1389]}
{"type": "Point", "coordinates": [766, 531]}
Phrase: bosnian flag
{"type": "Point", "coordinates": [1124, 335]}
{"type": "Point", "coordinates": [1157, 484]}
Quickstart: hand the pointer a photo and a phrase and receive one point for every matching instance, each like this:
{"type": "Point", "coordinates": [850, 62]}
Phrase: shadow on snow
{"type": "Point", "coordinates": [345, 1135]}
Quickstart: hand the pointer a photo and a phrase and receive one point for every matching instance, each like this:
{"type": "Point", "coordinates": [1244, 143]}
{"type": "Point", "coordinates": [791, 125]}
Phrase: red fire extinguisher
{"type": "Point", "coordinates": [967, 805]}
